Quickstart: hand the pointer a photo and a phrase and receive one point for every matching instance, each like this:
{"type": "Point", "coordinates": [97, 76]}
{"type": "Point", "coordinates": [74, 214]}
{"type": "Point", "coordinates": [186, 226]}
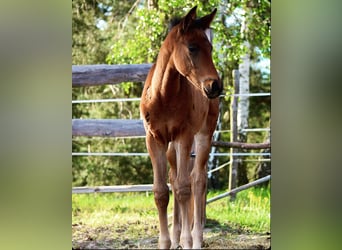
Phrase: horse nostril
{"type": "Point", "coordinates": [215, 86]}
{"type": "Point", "coordinates": [214, 89]}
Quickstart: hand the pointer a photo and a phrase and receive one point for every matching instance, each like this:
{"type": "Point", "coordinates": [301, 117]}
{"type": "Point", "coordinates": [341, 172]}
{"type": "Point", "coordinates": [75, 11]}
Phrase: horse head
{"type": "Point", "coordinates": [190, 41]}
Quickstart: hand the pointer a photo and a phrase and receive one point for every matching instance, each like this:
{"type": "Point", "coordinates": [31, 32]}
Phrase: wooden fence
{"type": "Point", "coordinates": [95, 75]}
{"type": "Point", "coordinates": [133, 128]}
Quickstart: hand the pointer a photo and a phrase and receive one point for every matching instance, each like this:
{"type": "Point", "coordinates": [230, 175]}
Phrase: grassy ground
{"type": "Point", "coordinates": [129, 220]}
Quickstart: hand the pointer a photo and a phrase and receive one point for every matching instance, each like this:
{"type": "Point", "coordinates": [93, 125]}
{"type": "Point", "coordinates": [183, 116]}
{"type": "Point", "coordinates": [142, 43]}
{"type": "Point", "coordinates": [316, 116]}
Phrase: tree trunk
{"type": "Point", "coordinates": [264, 167]}
{"type": "Point", "coordinates": [152, 4]}
{"type": "Point", "coordinates": [243, 106]}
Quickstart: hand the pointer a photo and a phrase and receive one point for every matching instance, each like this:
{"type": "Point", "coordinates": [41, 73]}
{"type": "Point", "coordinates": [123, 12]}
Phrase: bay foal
{"type": "Point", "coordinates": [179, 107]}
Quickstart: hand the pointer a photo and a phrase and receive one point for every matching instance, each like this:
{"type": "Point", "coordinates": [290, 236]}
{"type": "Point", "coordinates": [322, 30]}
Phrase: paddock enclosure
{"type": "Point", "coordinates": [95, 75]}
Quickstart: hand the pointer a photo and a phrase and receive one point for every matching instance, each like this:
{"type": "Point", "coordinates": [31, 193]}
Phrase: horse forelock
{"type": "Point", "coordinates": [174, 22]}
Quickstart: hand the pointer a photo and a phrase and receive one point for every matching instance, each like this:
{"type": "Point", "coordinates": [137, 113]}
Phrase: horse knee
{"type": "Point", "coordinates": [161, 198]}
{"type": "Point", "coordinates": [183, 192]}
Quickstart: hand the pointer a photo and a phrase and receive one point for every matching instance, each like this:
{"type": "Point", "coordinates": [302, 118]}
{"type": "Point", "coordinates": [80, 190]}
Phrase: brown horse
{"type": "Point", "coordinates": [179, 106]}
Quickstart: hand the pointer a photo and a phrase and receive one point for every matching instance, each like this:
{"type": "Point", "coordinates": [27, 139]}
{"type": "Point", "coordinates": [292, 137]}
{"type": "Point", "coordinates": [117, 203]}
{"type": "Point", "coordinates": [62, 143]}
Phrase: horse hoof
{"type": "Point", "coordinates": [197, 246]}
{"type": "Point", "coordinates": [186, 245]}
{"type": "Point", "coordinates": [175, 246]}
{"type": "Point", "coordinates": [165, 244]}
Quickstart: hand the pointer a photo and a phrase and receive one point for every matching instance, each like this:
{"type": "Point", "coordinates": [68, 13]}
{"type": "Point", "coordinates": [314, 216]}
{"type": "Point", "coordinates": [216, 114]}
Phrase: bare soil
{"type": "Point", "coordinates": [144, 235]}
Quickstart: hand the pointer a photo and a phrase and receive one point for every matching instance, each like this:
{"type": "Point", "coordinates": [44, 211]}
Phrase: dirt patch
{"type": "Point", "coordinates": [233, 241]}
{"type": "Point", "coordinates": [145, 236]}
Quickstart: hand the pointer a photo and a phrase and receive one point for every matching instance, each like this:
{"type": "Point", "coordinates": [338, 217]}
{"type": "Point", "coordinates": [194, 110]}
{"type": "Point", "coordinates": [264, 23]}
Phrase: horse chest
{"type": "Point", "coordinates": [167, 122]}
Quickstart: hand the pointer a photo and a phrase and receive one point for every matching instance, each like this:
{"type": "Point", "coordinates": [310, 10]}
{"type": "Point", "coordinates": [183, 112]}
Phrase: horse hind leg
{"type": "Point", "coordinates": [177, 223]}
{"type": "Point", "coordinates": [182, 189]}
{"type": "Point", "coordinates": [191, 206]}
{"type": "Point", "coordinates": [199, 181]}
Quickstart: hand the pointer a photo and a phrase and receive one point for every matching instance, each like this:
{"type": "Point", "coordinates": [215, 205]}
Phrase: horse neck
{"type": "Point", "coordinates": [166, 78]}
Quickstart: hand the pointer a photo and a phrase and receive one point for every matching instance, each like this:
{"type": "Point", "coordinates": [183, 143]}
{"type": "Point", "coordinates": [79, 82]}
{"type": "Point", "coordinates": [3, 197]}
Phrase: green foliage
{"type": "Point", "coordinates": [139, 46]}
{"type": "Point", "coordinates": [90, 43]}
{"type": "Point", "coordinates": [131, 34]}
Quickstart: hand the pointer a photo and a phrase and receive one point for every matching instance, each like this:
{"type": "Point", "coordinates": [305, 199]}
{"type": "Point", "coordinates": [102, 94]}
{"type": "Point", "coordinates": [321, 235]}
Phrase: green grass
{"type": "Point", "coordinates": [250, 211]}
{"type": "Point", "coordinates": [104, 208]}
{"type": "Point", "coordinates": [130, 220]}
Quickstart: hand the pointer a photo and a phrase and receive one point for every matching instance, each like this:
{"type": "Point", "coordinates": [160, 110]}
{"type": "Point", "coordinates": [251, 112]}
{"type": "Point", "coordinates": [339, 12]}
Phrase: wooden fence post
{"type": "Point", "coordinates": [233, 168]}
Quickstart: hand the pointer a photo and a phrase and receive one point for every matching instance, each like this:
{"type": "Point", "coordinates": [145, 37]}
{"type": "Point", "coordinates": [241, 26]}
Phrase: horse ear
{"type": "Point", "coordinates": [188, 19]}
{"type": "Point", "coordinates": [206, 20]}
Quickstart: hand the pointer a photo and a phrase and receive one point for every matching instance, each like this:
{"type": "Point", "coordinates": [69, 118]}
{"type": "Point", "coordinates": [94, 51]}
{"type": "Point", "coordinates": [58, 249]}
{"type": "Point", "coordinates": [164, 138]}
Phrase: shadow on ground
{"type": "Point", "coordinates": [145, 236]}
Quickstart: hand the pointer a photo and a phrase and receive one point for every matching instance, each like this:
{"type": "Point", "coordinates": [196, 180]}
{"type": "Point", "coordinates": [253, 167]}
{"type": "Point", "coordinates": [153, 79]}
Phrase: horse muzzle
{"type": "Point", "coordinates": [212, 88]}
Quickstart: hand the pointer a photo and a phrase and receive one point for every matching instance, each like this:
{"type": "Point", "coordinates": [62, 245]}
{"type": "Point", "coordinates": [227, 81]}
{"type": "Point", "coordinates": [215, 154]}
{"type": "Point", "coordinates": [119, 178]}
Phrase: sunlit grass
{"type": "Point", "coordinates": [107, 208]}
{"type": "Point", "coordinates": [130, 220]}
{"type": "Point", "coordinates": [250, 211]}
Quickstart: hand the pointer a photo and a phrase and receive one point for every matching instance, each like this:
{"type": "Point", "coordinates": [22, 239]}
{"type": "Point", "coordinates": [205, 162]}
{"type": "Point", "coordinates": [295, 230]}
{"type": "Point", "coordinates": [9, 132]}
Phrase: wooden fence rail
{"type": "Point", "coordinates": [239, 189]}
{"type": "Point", "coordinates": [148, 188]}
{"type": "Point", "coordinates": [107, 127]}
{"type": "Point", "coordinates": [243, 145]}
{"type": "Point", "coordinates": [94, 75]}
{"type": "Point", "coordinates": [114, 189]}
{"type": "Point", "coordinates": [134, 128]}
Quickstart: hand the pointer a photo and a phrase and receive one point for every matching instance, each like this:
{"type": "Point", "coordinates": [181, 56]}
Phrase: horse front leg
{"type": "Point", "coordinates": [182, 190]}
{"type": "Point", "coordinates": [157, 153]}
{"type": "Point", "coordinates": [199, 184]}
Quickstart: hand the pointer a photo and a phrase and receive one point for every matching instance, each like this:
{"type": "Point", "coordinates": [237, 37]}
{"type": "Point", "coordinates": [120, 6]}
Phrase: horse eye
{"type": "Point", "coordinates": [192, 48]}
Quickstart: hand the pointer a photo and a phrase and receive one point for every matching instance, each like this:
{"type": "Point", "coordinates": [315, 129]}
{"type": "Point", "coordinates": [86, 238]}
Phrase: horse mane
{"type": "Point", "coordinates": [176, 20]}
